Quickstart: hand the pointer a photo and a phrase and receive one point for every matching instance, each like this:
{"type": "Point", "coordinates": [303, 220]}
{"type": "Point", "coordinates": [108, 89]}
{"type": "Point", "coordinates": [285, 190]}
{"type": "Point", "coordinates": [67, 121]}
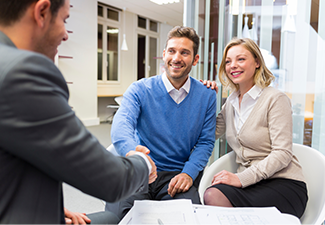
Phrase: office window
{"type": "Point", "coordinates": [147, 24]}
{"type": "Point", "coordinates": [108, 44]}
{"type": "Point", "coordinates": [100, 11]}
{"type": "Point", "coordinates": [112, 14]}
{"type": "Point", "coordinates": [153, 26]}
{"type": "Point", "coordinates": [153, 56]}
{"type": "Point", "coordinates": [148, 59]}
{"type": "Point", "coordinates": [100, 52]}
{"type": "Point", "coordinates": [112, 52]}
{"type": "Point", "coordinates": [142, 22]}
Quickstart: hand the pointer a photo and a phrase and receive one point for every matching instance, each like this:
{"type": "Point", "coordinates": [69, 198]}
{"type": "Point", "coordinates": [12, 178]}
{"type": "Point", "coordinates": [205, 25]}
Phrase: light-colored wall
{"type": "Point", "coordinates": [81, 70]}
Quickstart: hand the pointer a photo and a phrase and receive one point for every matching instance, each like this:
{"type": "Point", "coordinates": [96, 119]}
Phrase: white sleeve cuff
{"type": "Point", "coordinates": [146, 159]}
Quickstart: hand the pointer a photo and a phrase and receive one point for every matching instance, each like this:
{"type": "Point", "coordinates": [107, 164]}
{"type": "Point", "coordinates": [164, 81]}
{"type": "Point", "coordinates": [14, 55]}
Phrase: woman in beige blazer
{"type": "Point", "coordinates": [257, 122]}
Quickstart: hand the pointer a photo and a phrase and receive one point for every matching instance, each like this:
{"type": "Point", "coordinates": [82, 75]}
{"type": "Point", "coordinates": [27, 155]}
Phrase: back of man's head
{"type": "Point", "coordinates": [12, 11]}
{"type": "Point", "coordinates": [187, 32]}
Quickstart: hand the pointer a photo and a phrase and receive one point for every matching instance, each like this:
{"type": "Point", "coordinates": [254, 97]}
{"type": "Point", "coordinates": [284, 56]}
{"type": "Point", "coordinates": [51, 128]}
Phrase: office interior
{"type": "Point", "coordinates": [113, 43]}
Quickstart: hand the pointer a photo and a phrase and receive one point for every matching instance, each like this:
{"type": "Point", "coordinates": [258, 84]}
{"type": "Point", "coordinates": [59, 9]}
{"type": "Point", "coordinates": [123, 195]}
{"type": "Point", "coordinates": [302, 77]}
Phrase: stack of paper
{"type": "Point", "coordinates": [183, 212]}
{"type": "Point", "coordinates": [247, 215]}
{"type": "Point", "coordinates": [163, 212]}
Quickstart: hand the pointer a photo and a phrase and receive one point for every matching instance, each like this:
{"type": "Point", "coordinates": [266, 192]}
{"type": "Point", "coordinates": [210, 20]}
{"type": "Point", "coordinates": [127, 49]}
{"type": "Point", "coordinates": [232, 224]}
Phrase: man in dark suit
{"type": "Point", "coordinates": [42, 142]}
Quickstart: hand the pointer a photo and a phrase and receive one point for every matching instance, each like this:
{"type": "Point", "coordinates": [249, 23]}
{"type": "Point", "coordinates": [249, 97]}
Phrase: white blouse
{"type": "Point", "coordinates": [247, 104]}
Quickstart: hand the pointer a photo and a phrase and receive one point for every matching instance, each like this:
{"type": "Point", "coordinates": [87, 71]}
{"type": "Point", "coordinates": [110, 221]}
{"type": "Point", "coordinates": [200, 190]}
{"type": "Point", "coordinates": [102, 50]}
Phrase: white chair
{"type": "Point", "coordinates": [118, 100]}
{"type": "Point", "coordinates": [313, 164]}
{"type": "Point", "coordinates": [226, 162]}
{"type": "Point", "coordinates": [111, 149]}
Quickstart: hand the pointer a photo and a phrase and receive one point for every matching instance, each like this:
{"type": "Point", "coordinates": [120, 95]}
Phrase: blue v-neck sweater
{"type": "Point", "coordinates": [180, 137]}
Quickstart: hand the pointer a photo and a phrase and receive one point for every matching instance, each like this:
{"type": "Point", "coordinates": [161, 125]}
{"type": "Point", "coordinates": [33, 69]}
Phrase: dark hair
{"type": "Point", "coordinates": [12, 10]}
{"type": "Point", "coordinates": [188, 32]}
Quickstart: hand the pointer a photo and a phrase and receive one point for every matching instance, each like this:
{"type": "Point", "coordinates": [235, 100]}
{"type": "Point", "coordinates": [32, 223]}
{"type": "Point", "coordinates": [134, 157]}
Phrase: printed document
{"type": "Point", "coordinates": [163, 212]}
{"type": "Point", "coordinates": [239, 216]}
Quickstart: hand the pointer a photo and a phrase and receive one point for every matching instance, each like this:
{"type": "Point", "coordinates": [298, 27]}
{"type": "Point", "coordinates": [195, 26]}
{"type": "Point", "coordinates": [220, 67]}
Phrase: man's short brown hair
{"type": "Point", "coordinates": [188, 32]}
{"type": "Point", "coordinates": [12, 10]}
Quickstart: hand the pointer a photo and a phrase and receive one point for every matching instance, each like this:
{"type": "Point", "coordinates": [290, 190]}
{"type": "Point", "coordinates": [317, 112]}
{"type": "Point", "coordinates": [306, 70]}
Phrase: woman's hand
{"type": "Point", "coordinates": [225, 177]}
{"type": "Point", "coordinates": [211, 84]}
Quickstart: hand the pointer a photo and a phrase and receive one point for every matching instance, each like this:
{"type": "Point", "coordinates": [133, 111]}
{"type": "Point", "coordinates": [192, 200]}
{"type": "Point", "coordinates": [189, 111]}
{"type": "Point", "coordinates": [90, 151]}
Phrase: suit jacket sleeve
{"type": "Point", "coordinates": [38, 126]}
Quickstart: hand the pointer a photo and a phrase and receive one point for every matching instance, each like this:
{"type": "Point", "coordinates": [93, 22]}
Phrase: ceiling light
{"type": "Point", "coordinates": [112, 31]}
{"type": "Point", "coordinates": [124, 46]}
{"type": "Point", "coordinates": [160, 2]}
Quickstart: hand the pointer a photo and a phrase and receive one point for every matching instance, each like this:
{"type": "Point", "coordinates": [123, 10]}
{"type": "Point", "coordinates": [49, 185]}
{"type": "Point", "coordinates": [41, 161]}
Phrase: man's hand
{"type": "Point", "coordinates": [75, 217]}
{"type": "Point", "coordinates": [225, 177]}
{"type": "Point", "coordinates": [146, 151]}
{"type": "Point", "coordinates": [211, 84]}
{"type": "Point", "coordinates": [180, 183]}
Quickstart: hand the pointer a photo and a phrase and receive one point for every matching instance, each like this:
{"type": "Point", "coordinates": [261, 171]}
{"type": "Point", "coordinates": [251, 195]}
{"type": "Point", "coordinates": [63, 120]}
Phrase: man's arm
{"type": "Point", "coordinates": [123, 132]}
{"type": "Point", "coordinates": [37, 125]}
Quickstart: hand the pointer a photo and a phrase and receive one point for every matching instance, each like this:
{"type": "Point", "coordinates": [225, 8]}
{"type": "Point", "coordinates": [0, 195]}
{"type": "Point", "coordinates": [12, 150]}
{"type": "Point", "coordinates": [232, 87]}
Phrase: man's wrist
{"type": "Point", "coordinates": [146, 159]}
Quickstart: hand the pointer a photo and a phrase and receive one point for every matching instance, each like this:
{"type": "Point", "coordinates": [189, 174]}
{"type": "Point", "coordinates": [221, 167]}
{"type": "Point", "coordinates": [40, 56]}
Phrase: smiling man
{"type": "Point", "coordinates": [174, 116]}
{"type": "Point", "coordinates": [42, 142]}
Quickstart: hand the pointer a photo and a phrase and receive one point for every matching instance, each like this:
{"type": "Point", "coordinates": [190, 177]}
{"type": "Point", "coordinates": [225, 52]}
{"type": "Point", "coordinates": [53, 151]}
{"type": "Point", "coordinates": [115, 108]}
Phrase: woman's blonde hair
{"type": "Point", "coordinates": [263, 76]}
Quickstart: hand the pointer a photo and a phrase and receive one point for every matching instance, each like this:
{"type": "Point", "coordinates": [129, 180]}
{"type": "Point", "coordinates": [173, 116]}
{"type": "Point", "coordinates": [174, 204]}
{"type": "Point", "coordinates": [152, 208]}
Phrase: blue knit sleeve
{"type": "Point", "coordinates": [204, 146]}
{"type": "Point", "coordinates": [123, 132]}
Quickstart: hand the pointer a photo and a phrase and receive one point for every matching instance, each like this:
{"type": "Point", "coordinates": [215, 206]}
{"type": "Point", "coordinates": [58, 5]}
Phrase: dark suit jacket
{"type": "Point", "coordinates": [43, 143]}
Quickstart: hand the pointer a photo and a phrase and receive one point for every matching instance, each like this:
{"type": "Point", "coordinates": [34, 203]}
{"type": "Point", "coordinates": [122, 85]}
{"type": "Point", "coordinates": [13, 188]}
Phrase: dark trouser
{"type": "Point", "coordinates": [157, 191]}
{"type": "Point", "coordinates": [104, 217]}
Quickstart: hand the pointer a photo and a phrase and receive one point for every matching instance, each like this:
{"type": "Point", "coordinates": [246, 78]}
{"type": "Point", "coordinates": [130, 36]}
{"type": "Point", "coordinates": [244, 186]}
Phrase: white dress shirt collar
{"type": "Point", "coordinates": [177, 95]}
{"type": "Point", "coordinates": [170, 87]}
{"type": "Point", "coordinates": [247, 104]}
{"type": "Point", "coordinates": [254, 93]}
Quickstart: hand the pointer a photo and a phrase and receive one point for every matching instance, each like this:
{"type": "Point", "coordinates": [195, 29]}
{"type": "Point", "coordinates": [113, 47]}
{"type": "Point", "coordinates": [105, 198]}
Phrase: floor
{"type": "Point", "coordinates": [77, 201]}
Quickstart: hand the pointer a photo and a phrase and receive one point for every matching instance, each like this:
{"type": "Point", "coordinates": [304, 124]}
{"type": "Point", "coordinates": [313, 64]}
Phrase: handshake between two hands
{"type": "Point", "coordinates": [146, 151]}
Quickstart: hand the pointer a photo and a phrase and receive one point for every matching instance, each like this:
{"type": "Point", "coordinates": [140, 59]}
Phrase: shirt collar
{"type": "Point", "coordinates": [255, 92]}
{"type": "Point", "coordinates": [170, 87]}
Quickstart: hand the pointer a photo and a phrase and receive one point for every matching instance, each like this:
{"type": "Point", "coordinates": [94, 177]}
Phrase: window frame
{"type": "Point", "coordinates": [106, 22]}
{"type": "Point", "coordinates": [148, 34]}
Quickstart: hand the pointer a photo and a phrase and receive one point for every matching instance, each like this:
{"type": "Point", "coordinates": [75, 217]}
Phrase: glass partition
{"type": "Point", "coordinates": [290, 34]}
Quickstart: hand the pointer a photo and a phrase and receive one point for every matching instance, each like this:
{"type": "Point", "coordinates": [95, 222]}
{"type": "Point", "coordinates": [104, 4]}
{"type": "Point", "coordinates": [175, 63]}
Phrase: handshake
{"type": "Point", "coordinates": [146, 151]}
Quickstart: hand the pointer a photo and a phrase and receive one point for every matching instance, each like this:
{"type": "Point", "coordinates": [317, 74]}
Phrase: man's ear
{"type": "Point", "coordinates": [42, 12]}
{"type": "Point", "coordinates": [196, 59]}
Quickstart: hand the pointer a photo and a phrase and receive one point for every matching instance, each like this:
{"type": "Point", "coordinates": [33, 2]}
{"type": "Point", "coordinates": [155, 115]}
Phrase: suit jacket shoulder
{"type": "Point", "coordinates": [43, 144]}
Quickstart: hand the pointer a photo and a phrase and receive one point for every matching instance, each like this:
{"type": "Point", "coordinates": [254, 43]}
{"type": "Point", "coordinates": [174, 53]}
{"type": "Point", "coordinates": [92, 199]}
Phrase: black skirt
{"type": "Point", "coordinates": [288, 196]}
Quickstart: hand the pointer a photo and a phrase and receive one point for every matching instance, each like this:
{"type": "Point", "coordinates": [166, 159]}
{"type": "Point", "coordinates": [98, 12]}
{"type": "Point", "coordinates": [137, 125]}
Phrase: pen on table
{"type": "Point", "coordinates": [160, 222]}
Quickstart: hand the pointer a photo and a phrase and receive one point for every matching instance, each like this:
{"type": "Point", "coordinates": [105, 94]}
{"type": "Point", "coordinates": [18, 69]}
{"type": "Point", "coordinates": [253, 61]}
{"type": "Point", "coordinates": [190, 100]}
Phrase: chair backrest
{"type": "Point", "coordinates": [226, 162]}
{"type": "Point", "coordinates": [118, 99]}
{"type": "Point", "coordinates": [112, 150]}
{"type": "Point", "coordinates": [313, 165]}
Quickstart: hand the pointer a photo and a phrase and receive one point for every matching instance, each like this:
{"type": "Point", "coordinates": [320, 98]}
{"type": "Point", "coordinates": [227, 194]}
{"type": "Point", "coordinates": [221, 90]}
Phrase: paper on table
{"type": "Point", "coordinates": [251, 215]}
{"type": "Point", "coordinates": [168, 212]}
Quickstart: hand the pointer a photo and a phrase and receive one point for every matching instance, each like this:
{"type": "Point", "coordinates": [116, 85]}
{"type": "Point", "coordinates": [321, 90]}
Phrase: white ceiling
{"type": "Point", "coordinates": [171, 14]}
